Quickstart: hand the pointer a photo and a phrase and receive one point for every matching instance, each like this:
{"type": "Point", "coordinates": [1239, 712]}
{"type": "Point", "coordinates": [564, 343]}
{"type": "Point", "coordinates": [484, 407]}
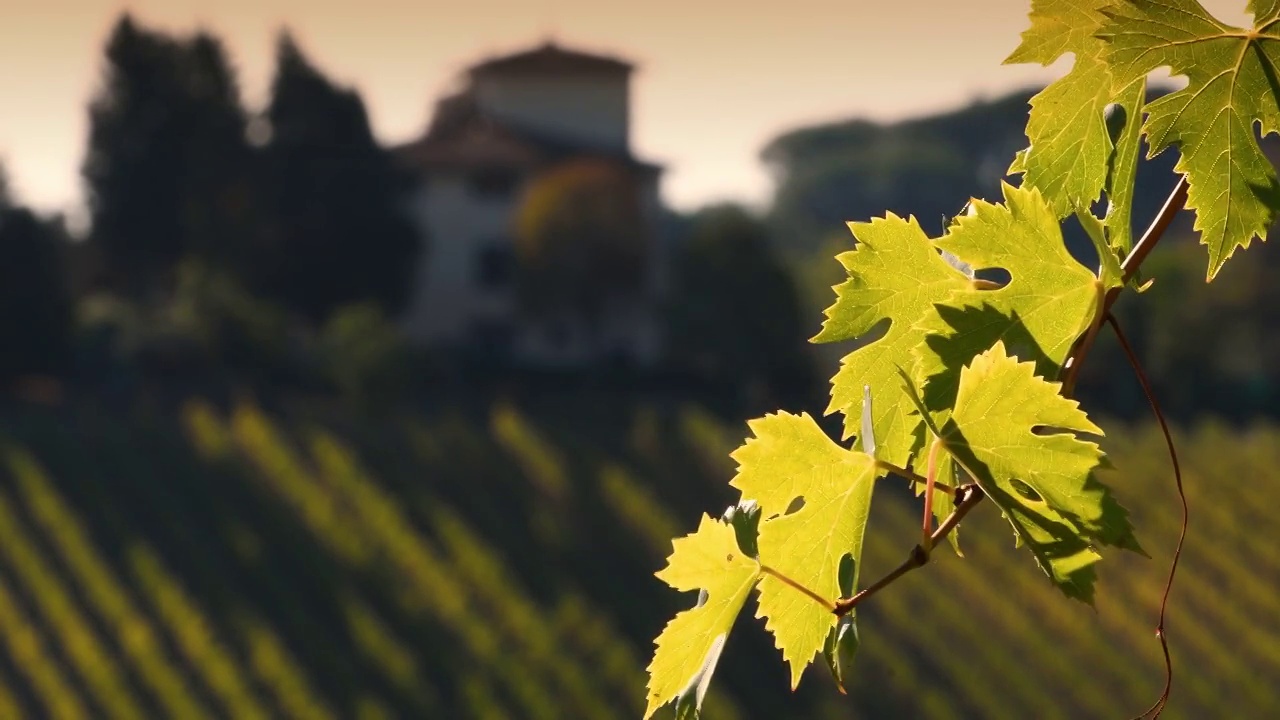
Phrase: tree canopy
{"type": "Point", "coordinates": [582, 238]}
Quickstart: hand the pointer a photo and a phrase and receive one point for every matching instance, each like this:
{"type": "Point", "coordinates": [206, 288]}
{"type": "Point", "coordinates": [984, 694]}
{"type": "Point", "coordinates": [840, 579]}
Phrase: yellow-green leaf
{"type": "Point", "coordinates": [1049, 301]}
{"type": "Point", "coordinates": [690, 645]}
{"type": "Point", "coordinates": [1232, 84]}
{"type": "Point", "coordinates": [1015, 435]}
{"type": "Point", "coordinates": [1122, 171]}
{"type": "Point", "coordinates": [791, 458]}
{"type": "Point", "coordinates": [1070, 146]}
{"type": "Point", "coordinates": [895, 275]}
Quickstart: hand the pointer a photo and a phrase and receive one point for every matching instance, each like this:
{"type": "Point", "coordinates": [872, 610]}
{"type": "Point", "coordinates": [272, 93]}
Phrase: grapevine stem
{"type": "Point", "coordinates": [915, 477]}
{"type": "Point", "coordinates": [1073, 373]}
{"type": "Point", "coordinates": [797, 586]}
{"type": "Point", "coordinates": [1155, 710]}
{"type": "Point", "coordinates": [931, 480]}
{"type": "Point", "coordinates": [1177, 199]}
{"type": "Point", "coordinates": [967, 496]}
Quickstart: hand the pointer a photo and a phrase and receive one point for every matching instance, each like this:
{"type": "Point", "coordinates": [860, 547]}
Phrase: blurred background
{"type": "Point", "coordinates": [362, 360]}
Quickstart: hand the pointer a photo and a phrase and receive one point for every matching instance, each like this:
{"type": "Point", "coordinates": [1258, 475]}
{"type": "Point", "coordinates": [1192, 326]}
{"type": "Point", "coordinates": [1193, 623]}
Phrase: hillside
{"type": "Point", "coordinates": [852, 170]}
{"type": "Point", "coordinates": [496, 562]}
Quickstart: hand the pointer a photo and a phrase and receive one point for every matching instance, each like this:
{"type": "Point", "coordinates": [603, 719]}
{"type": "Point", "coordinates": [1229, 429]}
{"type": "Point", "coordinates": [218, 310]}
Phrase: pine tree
{"type": "Point", "coordinates": [337, 233]}
{"type": "Point", "coordinates": [35, 308]}
{"type": "Point", "coordinates": [168, 166]}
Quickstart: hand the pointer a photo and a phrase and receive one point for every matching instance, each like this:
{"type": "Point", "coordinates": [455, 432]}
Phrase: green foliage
{"type": "Point", "coordinates": [708, 559]}
{"type": "Point", "coordinates": [792, 459]}
{"type": "Point", "coordinates": [971, 373]}
{"type": "Point", "coordinates": [831, 173]}
{"type": "Point", "coordinates": [168, 167]}
{"type": "Point", "coordinates": [1043, 483]}
{"type": "Point", "coordinates": [364, 353]}
{"type": "Point", "coordinates": [581, 239]}
{"type": "Point", "coordinates": [337, 231]}
{"type": "Point", "coordinates": [1233, 85]}
{"type": "Point", "coordinates": [35, 303]}
{"type": "Point", "coordinates": [233, 327]}
{"type": "Point", "coordinates": [1070, 143]}
{"type": "Point", "coordinates": [878, 290]}
{"type": "Point", "coordinates": [733, 316]}
{"type": "Point", "coordinates": [1049, 301]}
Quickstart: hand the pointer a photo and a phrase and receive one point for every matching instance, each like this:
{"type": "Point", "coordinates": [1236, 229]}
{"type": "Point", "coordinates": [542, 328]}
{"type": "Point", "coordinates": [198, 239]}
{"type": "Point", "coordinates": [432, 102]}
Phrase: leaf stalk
{"type": "Point", "coordinates": [1155, 231]}
{"type": "Point", "coordinates": [967, 497]}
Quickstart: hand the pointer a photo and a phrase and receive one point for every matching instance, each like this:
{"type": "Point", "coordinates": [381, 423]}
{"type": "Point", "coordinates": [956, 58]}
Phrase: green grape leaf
{"type": "Point", "coordinates": [1067, 159]}
{"type": "Point", "coordinates": [943, 502]}
{"type": "Point", "coordinates": [744, 518]}
{"type": "Point", "coordinates": [1019, 164]}
{"type": "Point", "coordinates": [791, 458]}
{"type": "Point", "coordinates": [842, 642]}
{"type": "Point", "coordinates": [1109, 271]}
{"type": "Point", "coordinates": [896, 275]}
{"type": "Point", "coordinates": [1014, 434]}
{"type": "Point", "coordinates": [689, 646]}
{"type": "Point", "coordinates": [1232, 84]}
{"type": "Point", "coordinates": [1122, 171]}
{"type": "Point", "coordinates": [1048, 303]}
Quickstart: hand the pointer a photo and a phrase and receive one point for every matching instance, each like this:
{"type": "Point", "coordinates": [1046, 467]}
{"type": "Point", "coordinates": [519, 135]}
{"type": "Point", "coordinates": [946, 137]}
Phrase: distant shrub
{"type": "Point", "coordinates": [364, 354]}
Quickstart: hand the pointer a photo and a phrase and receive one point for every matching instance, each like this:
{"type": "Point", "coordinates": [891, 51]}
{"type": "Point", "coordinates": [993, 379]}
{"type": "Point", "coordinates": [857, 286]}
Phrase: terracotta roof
{"type": "Point", "coordinates": [477, 143]}
{"type": "Point", "coordinates": [551, 58]}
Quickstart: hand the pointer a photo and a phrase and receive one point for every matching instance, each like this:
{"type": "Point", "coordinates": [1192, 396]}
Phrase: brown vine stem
{"type": "Point", "coordinates": [1176, 201]}
{"type": "Point", "coordinates": [967, 496]}
{"type": "Point", "coordinates": [1158, 707]}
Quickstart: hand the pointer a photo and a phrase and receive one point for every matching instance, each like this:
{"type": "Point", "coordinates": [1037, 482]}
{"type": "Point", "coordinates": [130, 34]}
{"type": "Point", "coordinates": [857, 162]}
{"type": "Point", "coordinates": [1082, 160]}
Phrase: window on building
{"type": "Point", "coordinates": [494, 264]}
{"type": "Point", "coordinates": [495, 184]}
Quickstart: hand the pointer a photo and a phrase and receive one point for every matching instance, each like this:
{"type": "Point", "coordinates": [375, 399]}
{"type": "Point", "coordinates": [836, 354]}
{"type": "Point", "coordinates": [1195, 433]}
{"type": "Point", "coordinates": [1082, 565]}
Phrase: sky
{"type": "Point", "coordinates": [716, 80]}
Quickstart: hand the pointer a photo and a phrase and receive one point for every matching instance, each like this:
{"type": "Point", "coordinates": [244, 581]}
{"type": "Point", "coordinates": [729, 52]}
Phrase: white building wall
{"type": "Point", "coordinates": [448, 297]}
{"type": "Point", "coordinates": [449, 300]}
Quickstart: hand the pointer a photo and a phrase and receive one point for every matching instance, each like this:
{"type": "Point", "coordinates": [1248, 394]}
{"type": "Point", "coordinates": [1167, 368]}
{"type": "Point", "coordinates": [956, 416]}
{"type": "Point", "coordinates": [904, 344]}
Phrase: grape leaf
{"type": "Point", "coordinates": [791, 457]}
{"type": "Point", "coordinates": [896, 275]}
{"type": "Point", "coordinates": [842, 642]}
{"type": "Point", "coordinates": [1122, 171]}
{"type": "Point", "coordinates": [1048, 303]}
{"type": "Point", "coordinates": [1067, 159]}
{"type": "Point", "coordinates": [1109, 271]}
{"type": "Point", "coordinates": [1014, 434]}
{"type": "Point", "coordinates": [690, 644]}
{"type": "Point", "coordinates": [1232, 83]}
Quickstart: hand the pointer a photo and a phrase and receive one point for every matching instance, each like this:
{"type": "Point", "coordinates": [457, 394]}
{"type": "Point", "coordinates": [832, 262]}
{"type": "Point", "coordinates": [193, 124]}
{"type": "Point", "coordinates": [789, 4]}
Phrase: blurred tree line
{"type": "Point", "coordinates": [275, 246]}
{"type": "Point", "coordinates": [297, 204]}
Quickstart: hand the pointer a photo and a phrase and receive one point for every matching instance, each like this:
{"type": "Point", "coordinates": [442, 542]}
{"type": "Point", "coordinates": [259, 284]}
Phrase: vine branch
{"type": "Point", "coordinates": [1172, 206]}
{"type": "Point", "coordinates": [967, 496]}
{"type": "Point", "coordinates": [1176, 201]}
{"type": "Point", "coordinates": [1156, 708]}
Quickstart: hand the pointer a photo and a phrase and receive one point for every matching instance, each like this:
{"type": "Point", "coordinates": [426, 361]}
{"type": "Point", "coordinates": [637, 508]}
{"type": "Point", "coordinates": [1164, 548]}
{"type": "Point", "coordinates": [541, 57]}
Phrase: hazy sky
{"type": "Point", "coordinates": [716, 79]}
